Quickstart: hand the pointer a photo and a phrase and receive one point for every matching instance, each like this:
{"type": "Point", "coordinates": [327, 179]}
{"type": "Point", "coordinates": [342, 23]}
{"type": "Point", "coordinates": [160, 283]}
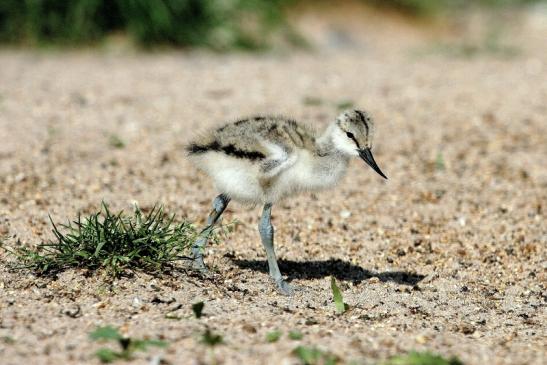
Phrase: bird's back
{"type": "Point", "coordinates": [248, 138]}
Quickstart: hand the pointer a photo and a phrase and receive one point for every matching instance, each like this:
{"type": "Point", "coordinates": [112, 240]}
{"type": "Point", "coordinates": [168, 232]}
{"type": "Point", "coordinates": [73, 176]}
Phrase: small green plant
{"type": "Point", "coordinates": [428, 8]}
{"type": "Point", "coordinates": [118, 243]}
{"type": "Point", "coordinates": [128, 346]}
{"type": "Point", "coordinates": [439, 162]}
{"type": "Point", "coordinates": [314, 356]}
{"type": "Point", "coordinates": [344, 104]}
{"type": "Point", "coordinates": [211, 340]}
{"type": "Point", "coordinates": [295, 335]}
{"type": "Point", "coordinates": [197, 308]}
{"type": "Point", "coordinates": [8, 340]}
{"type": "Point", "coordinates": [421, 358]}
{"type": "Point", "coordinates": [341, 307]}
{"type": "Point", "coordinates": [312, 101]}
{"type": "Point", "coordinates": [273, 336]}
{"type": "Point", "coordinates": [115, 141]}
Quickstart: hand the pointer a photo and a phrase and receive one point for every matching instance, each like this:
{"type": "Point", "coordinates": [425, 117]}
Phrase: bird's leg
{"type": "Point", "coordinates": [267, 235]}
{"type": "Point", "coordinates": [219, 204]}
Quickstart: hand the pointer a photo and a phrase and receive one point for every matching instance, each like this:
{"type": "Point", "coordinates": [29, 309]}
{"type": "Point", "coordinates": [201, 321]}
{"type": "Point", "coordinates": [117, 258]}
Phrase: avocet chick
{"type": "Point", "coordinates": [262, 160]}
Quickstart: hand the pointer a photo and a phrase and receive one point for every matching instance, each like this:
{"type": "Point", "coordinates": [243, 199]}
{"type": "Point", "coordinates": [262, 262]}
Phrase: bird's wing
{"type": "Point", "coordinates": [279, 157]}
{"type": "Point", "coordinates": [272, 143]}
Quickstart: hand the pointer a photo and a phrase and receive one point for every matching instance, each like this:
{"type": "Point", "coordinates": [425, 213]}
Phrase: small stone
{"type": "Point", "coordinates": [345, 214]}
{"type": "Point", "coordinates": [73, 311]}
{"type": "Point", "coordinates": [248, 328]}
{"type": "Point", "coordinates": [466, 328]}
{"type": "Point", "coordinates": [374, 280]}
{"type": "Point", "coordinates": [137, 303]}
{"type": "Point", "coordinates": [160, 300]}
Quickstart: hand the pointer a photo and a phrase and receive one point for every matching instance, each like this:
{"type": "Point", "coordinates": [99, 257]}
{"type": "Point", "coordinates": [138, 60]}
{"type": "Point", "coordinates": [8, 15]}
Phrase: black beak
{"type": "Point", "coordinates": [366, 155]}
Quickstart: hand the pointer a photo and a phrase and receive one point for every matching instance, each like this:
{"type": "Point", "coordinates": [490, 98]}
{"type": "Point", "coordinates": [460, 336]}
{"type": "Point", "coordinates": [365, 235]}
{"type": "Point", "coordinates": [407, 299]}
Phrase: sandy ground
{"type": "Point", "coordinates": [447, 255]}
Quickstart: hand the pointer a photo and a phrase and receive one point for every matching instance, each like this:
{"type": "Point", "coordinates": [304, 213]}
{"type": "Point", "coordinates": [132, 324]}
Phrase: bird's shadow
{"type": "Point", "coordinates": [340, 269]}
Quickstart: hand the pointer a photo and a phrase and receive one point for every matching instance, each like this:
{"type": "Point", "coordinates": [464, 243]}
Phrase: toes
{"type": "Point", "coordinates": [199, 265]}
{"type": "Point", "coordinates": [284, 288]}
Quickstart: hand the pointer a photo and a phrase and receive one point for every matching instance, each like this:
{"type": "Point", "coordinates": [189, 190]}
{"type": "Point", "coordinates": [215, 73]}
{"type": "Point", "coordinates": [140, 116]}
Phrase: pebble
{"type": "Point", "coordinates": [137, 303]}
{"type": "Point", "coordinates": [345, 214]}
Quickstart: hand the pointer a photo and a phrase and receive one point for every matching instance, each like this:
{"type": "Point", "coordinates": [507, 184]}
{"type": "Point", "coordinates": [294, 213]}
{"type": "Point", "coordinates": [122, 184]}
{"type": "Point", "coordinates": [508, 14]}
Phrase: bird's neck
{"type": "Point", "coordinates": [324, 145]}
{"type": "Point", "coordinates": [329, 163]}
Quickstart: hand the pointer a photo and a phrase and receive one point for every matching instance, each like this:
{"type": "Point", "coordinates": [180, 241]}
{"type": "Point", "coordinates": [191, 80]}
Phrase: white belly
{"type": "Point", "coordinates": [238, 178]}
{"type": "Point", "coordinates": [243, 182]}
{"type": "Point", "coordinates": [308, 174]}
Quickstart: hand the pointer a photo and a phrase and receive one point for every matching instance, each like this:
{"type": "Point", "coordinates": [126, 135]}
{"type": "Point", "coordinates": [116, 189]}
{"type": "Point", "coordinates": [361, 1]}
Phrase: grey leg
{"type": "Point", "coordinates": [267, 235]}
{"type": "Point", "coordinates": [219, 204]}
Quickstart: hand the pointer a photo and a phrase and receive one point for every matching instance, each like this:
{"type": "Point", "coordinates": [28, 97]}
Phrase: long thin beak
{"type": "Point", "coordinates": [366, 155]}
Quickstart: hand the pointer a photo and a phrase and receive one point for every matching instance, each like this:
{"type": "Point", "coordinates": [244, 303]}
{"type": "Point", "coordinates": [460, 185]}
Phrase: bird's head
{"type": "Point", "coordinates": [352, 135]}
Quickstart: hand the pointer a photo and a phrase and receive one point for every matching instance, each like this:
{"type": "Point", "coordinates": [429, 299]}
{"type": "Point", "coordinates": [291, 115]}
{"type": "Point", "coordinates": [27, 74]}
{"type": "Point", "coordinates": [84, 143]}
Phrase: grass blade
{"type": "Point", "coordinates": [341, 307]}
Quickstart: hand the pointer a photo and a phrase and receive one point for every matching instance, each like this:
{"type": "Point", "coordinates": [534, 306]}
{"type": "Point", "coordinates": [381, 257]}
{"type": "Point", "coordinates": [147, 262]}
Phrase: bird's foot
{"type": "Point", "coordinates": [285, 288]}
{"type": "Point", "coordinates": [199, 265]}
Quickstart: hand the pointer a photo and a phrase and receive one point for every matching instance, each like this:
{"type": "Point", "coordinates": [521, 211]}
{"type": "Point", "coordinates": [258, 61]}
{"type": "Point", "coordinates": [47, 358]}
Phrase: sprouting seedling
{"type": "Point", "coordinates": [197, 308]}
{"type": "Point", "coordinates": [341, 307]}
{"type": "Point", "coordinates": [439, 162]}
{"type": "Point", "coordinates": [344, 104]}
{"type": "Point", "coordinates": [127, 345]}
{"type": "Point", "coordinates": [8, 340]}
{"type": "Point", "coordinates": [295, 335]}
{"type": "Point", "coordinates": [312, 101]}
{"type": "Point", "coordinates": [313, 356]}
{"type": "Point", "coordinates": [115, 141]}
{"type": "Point", "coordinates": [421, 358]}
{"type": "Point", "coordinates": [211, 340]}
{"type": "Point", "coordinates": [273, 336]}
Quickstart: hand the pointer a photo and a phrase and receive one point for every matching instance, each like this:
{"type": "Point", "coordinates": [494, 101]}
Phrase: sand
{"type": "Point", "coordinates": [448, 255]}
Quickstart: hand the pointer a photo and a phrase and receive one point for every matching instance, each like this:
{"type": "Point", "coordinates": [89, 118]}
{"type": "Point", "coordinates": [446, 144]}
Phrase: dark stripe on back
{"type": "Point", "coordinates": [230, 150]}
{"type": "Point", "coordinates": [196, 149]}
{"type": "Point", "coordinates": [241, 121]}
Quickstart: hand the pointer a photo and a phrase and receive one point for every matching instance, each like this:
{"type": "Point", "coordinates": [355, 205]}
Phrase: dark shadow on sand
{"type": "Point", "coordinates": [341, 270]}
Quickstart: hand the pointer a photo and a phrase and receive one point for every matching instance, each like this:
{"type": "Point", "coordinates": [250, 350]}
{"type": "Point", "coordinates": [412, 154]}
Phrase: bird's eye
{"type": "Point", "coordinates": [350, 135]}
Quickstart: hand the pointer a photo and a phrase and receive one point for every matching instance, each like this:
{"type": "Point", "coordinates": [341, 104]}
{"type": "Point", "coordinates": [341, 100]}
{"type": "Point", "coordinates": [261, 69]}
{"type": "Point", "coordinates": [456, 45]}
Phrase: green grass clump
{"type": "Point", "coordinates": [434, 7]}
{"type": "Point", "coordinates": [213, 23]}
{"type": "Point", "coordinates": [273, 336]}
{"type": "Point", "coordinates": [314, 356]}
{"type": "Point", "coordinates": [118, 243]}
{"type": "Point", "coordinates": [217, 24]}
{"type": "Point", "coordinates": [128, 346]}
{"type": "Point", "coordinates": [421, 358]}
{"type": "Point", "coordinates": [115, 141]}
{"type": "Point", "coordinates": [295, 335]}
